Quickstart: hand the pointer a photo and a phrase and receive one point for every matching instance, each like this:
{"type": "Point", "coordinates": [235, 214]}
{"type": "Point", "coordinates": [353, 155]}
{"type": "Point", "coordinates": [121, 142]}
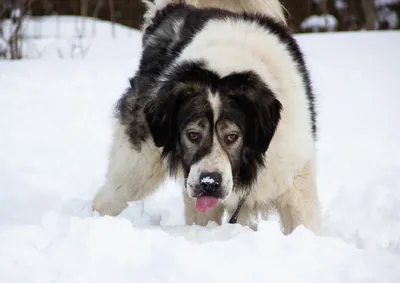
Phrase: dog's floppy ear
{"type": "Point", "coordinates": [262, 110]}
{"type": "Point", "coordinates": [161, 114]}
{"type": "Point", "coordinates": [262, 123]}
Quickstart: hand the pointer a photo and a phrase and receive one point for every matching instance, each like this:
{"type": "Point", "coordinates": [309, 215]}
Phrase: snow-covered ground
{"type": "Point", "coordinates": [55, 128]}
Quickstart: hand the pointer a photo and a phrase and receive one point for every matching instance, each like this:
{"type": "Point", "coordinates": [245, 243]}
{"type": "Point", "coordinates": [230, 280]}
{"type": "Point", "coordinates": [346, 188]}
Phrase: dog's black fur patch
{"type": "Point", "coordinates": [158, 92]}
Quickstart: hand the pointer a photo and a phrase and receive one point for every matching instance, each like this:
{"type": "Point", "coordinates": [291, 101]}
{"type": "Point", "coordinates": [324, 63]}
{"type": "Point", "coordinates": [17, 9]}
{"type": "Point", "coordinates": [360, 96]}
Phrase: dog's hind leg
{"type": "Point", "coordinates": [299, 205]}
{"type": "Point", "coordinates": [132, 174]}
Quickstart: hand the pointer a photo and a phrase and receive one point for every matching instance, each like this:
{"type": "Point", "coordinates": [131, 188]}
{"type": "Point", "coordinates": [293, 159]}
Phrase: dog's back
{"type": "Point", "coordinates": [271, 8]}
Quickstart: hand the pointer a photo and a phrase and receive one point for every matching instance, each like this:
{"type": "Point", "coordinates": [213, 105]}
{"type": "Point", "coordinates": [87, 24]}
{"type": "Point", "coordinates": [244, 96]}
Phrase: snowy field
{"type": "Point", "coordinates": [55, 128]}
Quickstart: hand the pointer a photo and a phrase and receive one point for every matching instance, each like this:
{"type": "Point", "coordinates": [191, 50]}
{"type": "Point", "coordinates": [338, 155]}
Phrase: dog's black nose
{"type": "Point", "coordinates": [210, 181]}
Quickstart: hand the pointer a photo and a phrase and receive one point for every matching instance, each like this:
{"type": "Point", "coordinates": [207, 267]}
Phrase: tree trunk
{"type": "Point", "coordinates": [309, 8]}
{"type": "Point", "coordinates": [370, 17]}
{"type": "Point", "coordinates": [325, 12]}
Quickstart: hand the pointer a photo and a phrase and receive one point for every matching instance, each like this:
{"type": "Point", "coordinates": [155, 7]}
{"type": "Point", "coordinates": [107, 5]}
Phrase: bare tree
{"type": "Point", "coordinates": [96, 12]}
{"type": "Point", "coordinates": [19, 9]}
{"type": "Point", "coordinates": [3, 41]}
{"type": "Point", "coordinates": [84, 8]}
{"type": "Point", "coordinates": [15, 40]}
{"type": "Point", "coordinates": [78, 44]}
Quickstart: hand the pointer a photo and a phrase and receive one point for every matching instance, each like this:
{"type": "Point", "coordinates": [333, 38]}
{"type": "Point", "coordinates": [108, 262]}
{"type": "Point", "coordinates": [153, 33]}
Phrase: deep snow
{"type": "Point", "coordinates": [55, 131]}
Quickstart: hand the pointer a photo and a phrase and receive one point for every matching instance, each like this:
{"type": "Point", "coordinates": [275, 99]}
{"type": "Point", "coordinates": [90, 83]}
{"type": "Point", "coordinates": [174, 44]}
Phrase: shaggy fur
{"type": "Point", "coordinates": [221, 95]}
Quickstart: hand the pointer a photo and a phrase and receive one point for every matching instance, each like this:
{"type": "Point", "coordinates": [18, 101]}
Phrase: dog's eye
{"type": "Point", "coordinates": [193, 136]}
{"type": "Point", "coordinates": [230, 139]}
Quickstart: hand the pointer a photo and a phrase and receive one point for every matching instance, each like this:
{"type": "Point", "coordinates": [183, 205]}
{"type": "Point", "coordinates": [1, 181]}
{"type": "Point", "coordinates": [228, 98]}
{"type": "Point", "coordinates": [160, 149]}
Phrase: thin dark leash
{"type": "Point", "coordinates": [235, 215]}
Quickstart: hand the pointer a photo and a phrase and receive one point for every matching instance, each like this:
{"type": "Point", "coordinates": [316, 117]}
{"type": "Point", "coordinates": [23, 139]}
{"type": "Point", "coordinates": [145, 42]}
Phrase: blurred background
{"type": "Point", "coordinates": [305, 16]}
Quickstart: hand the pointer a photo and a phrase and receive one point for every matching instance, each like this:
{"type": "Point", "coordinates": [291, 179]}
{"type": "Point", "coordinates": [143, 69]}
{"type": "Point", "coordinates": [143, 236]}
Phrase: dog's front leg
{"type": "Point", "coordinates": [132, 174]}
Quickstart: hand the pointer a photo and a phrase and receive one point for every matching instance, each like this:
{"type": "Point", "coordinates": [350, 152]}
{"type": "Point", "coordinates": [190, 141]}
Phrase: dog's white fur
{"type": "Point", "coordinates": [288, 181]}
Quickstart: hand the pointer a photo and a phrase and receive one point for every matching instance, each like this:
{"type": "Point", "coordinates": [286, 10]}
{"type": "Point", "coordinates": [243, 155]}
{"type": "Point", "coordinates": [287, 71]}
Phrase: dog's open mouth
{"type": "Point", "coordinates": [205, 203]}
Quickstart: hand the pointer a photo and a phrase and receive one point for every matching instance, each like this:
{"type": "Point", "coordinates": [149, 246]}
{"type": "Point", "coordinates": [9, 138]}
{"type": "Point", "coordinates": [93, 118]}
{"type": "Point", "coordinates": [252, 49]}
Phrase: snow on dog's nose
{"type": "Point", "coordinates": [210, 182]}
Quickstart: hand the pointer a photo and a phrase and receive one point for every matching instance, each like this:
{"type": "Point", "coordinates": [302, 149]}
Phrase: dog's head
{"type": "Point", "coordinates": [216, 128]}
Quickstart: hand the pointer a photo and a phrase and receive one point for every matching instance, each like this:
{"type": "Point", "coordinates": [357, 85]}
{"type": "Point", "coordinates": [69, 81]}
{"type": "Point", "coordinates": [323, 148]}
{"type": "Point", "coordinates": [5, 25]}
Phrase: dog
{"type": "Point", "coordinates": [223, 102]}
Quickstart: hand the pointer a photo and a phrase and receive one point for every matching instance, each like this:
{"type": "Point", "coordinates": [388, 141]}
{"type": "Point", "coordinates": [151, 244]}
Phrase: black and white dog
{"type": "Point", "coordinates": [222, 100]}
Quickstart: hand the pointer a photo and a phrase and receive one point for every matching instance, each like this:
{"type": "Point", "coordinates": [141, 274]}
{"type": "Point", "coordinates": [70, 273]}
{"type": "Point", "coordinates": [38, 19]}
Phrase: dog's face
{"type": "Point", "coordinates": [217, 129]}
{"type": "Point", "coordinates": [211, 144]}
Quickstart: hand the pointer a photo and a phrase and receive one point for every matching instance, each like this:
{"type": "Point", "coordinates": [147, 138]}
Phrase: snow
{"type": "Point", "coordinates": [387, 15]}
{"type": "Point", "coordinates": [317, 22]}
{"type": "Point", "coordinates": [341, 4]}
{"type": "Point", "coordinates": [16, 13]}
{"type": "Point", "coordinates": [207, 180]}
{"type": "Point", "coordinates": [386, 2]}
{"type": "Point", "coordinates": [55, 135]}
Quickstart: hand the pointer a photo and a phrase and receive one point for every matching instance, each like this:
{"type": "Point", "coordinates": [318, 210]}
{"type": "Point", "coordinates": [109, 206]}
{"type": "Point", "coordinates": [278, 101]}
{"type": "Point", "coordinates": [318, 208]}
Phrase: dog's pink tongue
{"type": "Point", "coordinates": [205, 203]}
